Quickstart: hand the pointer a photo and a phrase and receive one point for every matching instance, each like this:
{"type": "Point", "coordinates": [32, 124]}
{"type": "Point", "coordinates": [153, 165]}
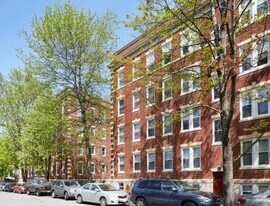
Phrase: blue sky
{"type": "Point", "coordinates": [16, 15]}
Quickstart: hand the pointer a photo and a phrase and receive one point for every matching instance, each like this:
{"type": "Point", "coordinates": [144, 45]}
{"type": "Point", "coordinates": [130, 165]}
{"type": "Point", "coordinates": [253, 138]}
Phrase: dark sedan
{"type": "Point", "coordinates": [9, 187]}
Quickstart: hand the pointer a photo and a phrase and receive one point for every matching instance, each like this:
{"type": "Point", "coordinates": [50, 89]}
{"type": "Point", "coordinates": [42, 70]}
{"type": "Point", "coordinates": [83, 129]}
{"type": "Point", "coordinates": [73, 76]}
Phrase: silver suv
{"type": "Point", "coordinates": [64, 188]}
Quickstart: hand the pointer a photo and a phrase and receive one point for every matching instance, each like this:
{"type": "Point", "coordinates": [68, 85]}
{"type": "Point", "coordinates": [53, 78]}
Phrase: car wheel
{"type": "Point", "coordinates": [190, 204]}
{"type": "Point", "coordinates": [103, 201]}
{"type": "Point", "coordinates": [27, 192]}
{"type": "Point", "coordinates": [141, 202]}
{"type": "Point", "coordinates": [79, 199]}
{"type": "Point", "coordinates": [66, 196]}
{"type": "Point", "coordinates": [53, 194]}
{"type": "Point", "coordinates": [38, 192]}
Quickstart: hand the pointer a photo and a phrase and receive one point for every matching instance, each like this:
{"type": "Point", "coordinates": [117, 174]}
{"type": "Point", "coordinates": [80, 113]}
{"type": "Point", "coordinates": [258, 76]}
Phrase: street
{"type": "Point", "coordinates": [15, 199]}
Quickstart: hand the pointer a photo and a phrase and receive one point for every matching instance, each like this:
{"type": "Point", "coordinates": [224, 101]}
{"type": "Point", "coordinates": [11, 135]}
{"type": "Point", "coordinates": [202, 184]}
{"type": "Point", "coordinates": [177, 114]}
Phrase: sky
{"type": "Point", "coordinates": [17, 15]}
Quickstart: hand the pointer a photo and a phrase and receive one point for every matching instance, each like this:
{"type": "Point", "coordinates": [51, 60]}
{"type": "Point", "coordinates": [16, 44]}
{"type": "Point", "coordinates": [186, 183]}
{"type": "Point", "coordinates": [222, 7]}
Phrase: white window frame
{"type": "Point", "coordinates": [191, 158]}
{"type": "Point", "coordinates": [214, 142]}
{"type": "Point", "coordinates": [166, 48]}
{"type": "Point", "coordinates": [165, 88]}
{"type": "Point", "coordinates": [150, 59]}
{"type": "Point", "coordinates": [136, 101]}
{"type": "Point", "coordinates": [103, 168]}
{"type": "Point", "coordinates": [120, 77]}
{"type": "Point", "coordinates": [121, 107]}
{"type": "Point", "coordinates": [93, 167]}
{"type": "Point", "coordinates": [255, 154]}
{"type": "Point", "coordinates": [103, 151]}
{"type": "Point", "coordinates": [164, 155]}
{"type": "Point", "coordinates": [148, 103]}
{"type": "Point", "coordinates": [185, 42]}
{"type": "Point", "coordinates": [191, 80]}
{"type": "Point", "coordinates": [150, 118]}
{"type": "Point", "coordinates": [136, 132]}
{"type": "Point", "coordinates": [135, 154]}
{"type": "Point", "coordinates": [253, 97]}
{"type": "Point", "coordinates": [104, 134]}
{"type": "Point", "coordinates": [93, 149]}
{"type": "Point", "coordinates": [165, 123]}
{"type": "Point", "coordinates": [190, 118]}
{"type": "Point", "coordinates": [121, 163]}
{"type": "Point", "coordinates": [148, 161]}
{"type": "Point", "coordinates": [121, 135]}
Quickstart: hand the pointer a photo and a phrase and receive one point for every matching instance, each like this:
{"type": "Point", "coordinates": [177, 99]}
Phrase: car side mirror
{"type": "Point", "coordinates": [97, 190]}
{"type": "Point", "coordinates": [174, 189]}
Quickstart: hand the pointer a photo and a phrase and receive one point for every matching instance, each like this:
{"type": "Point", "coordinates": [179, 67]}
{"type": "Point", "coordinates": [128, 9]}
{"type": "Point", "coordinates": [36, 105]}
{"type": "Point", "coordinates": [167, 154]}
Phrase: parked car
{"type": "Point", "coordinates": [102, 193]}
{"type": "Point", "coordinates": [9, 187]}
{"type": "Point", "coordinates": [38, 186]}
{"type": "Point", "coordinates": [64, 188]}
{"type": "Point", "coordinates": [19, 188]}
{"type": "Point", "coordinates": [260, 199]}
{"type": "Point", "coordinates": [158, 192]}
{"type": "Point", "coordinates": [2, 185]}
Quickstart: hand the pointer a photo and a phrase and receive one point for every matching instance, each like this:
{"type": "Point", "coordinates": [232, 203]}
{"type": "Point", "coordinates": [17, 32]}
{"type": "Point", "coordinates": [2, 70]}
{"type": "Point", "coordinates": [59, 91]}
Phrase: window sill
{"type": "Point", "coordinates": [120, 143]}
{"type": "Point", "coordinates": [216, 144]}
{"type": "Point", "coordinates": [137, 171]}
{"type": "Point", "coordinates": [153, 137]}
{"type": "Point", "coordinates": [135, 110]}
{"type": "Point", "coordinates": [254, 118]}
{"type": "Point", "coordinates": [190, 130]}
{"type": "Point", "coordinates": [254, 69]}
{"type": "Point", "coordinates": [191, 170]}
{"type": "Point", "coordinates": [189, 92]}
{"type": "Point", "coordinates": [166, 135]}
{"type": "Point", "coordinates": [121, 172]}
{"type": "Point", "coordinates": [261, 167]}
{"type": "Point", "coordinates": [120, 115]}
{"type": "Point", "coordinates": [136, 140]}
{"type": "Point", "coordinates": [167, 170]}
{"type": "Point", "coordinates": [167, 99]}
{"type": "Point", "coordinates": [151, 171]}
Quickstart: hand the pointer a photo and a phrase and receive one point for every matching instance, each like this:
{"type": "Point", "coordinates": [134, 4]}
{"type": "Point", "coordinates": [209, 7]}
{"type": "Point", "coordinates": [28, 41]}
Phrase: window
{"type": "Point", "coordinates": [167, 124]}
{"type": "Point", "coordinates": [136, 131]}
{"type": "Point", "coordinates": [103, 116]}
{"type": "Point", "coordinates": [255, 54]}
{"type": "Point", "coordinates": [167, 160]}
{"type": "Point", "coordinates": [136, 73]}
{"type": "Point", "coordinates": [190, 80]}
{"type": "Point", "coordinates": [191, 158]}
{"type": "Point", "coordinates": [57, 168]}
{"type": "Point", "coordinates": [247, 189]}
{"type": "Point", "coordinates": [150, 60]}
{"type": "Point", "coordinates": [191, 119]}
{"type": "Point", "coordinates": [92, 131]}
{"type": "Point", "coordinates": [151, 161]}
{"type": "Point", "coordinates": [255, 103]}
{"type": "Point", "coordinates": [215, 87]}
{"type": "Point", "coordinates": [93, 150]}
{"type": "Point", "coordinates": [92, 168]}
{"type": "Point", "coordinates": [150, 127]}
{"type": "Point", "coordinates": [167, 52]}
{"type": "Point", "coordinates": [217, 131]}
{"type": "Point", "coordinates": [79, 111]}
{"type": "Point", "coordinates": [103, 169]}
{"type": "Point", "coordinates": [136, 163]}
{"type": "Point", "coordinates": [167, 88]}
{"type": "Point", "coordinates": [190, 42]}
{"type": "Point", "coordinates": [121, 135]}
{"type": "Point", "coordinates": [121, 161]}
{"type": "Point", "coordinates": [252, 189]}
{"type": "Point", "coordinates": [103, 134]}
{"type": "Point", "coordinates": [63, 169]}
{"type": "Point", "coordinates": [80, 150]}
{"type": "Point", "coordinates": [121, 106]}
{"type": "Point", "coordinates": [80, 169]}
{"type": "Point", "coordinates": [167, 186]}
{"type": "Point", "coordinates": [256, 155]}
{"type": "Point", "coordinates": [136, 101]}
{"type": "Point", "coordinates": [103, 151]}
{"type": "Point", "coordinates": [150, 95]}
{"type": "Point", "coordinates": [121, 81]}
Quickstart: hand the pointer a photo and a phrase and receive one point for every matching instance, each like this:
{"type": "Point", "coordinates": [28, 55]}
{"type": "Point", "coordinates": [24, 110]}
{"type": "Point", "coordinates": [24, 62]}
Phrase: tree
{"type": "Point", "coordinates": [18, 92]}
{"type": "Point", "coordinates": [70, 49]}
{"type": "Point", "coordinates": [42, 135]}
{"type": "Point", "coordinates": [213, 26]}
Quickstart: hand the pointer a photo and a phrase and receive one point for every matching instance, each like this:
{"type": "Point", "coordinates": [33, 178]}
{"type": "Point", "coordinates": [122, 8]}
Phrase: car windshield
{"type": "Point", "coordinates": [184, 186]}
{"type": "Point", "coordinates": [71, 183]}
{"type": "Point", "coordinates": [42, 181]}
{"type": "Point", "coordinates": [107, 187]}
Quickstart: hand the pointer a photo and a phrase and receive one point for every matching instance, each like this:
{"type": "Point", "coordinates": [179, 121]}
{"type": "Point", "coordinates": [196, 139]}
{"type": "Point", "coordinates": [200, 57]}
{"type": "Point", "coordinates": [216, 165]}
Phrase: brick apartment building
{"type": "Point", "coordinates": [160, 129]}
{"type": "Point", "coordinates": [70, 163]}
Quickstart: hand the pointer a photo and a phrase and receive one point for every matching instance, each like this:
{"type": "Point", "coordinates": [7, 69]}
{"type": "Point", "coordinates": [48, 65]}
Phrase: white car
{"type": "Point", "coordinates": [102, 193]}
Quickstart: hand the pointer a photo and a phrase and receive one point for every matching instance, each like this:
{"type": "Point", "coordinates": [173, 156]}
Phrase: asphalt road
{"type": "Point", "coordinates": [14, 199]}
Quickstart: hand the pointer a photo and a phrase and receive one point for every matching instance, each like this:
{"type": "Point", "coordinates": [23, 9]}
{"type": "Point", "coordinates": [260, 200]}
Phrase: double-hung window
{"type": "Point", "coordinates": [255, 154]}
{"type": "Point", "coordinates": [121, 106]}
{"type": "Point", "coordinates": [121, 163]}
{"type": "Point", "coordinates": [136, 162]}
{"type": "Point", "coordinates": [121, 80]}
{"type": "Point", "coordinates": [150, 127]}
{"type": "Point", "coordinates": [217, 131]}
{"type": "Point", "coordinates": [191, 158]}
{"type": "Point", "coordinates": [191, 119]}
{"type": "Point", "coordinates": [150, 95]}
{"type": "Point", "coordinates": [136, 101]}
{"type": "Point", "coordinates": [167, 52]}
{"type": "Point", "coordinates": [190, 80]}
{"type": "Point", "coordinates": [167, 160]}
{"type": "Point", "coordinates": [150, 60]}
{"type": "Point", "coordinates": [136, 131]}
{"type": "Point", "coordinates": [190, 42]}
{"type": "Point", "coordinates": [167, 124]}
{"type": "Point", "coordinates": [121, 134]}
{"type": "Point", "coordinates": [255, 103]}
{"type": "Point", "coordinates": [151, 161]}
{"type": "Point", "coordinates": [167, 88]}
